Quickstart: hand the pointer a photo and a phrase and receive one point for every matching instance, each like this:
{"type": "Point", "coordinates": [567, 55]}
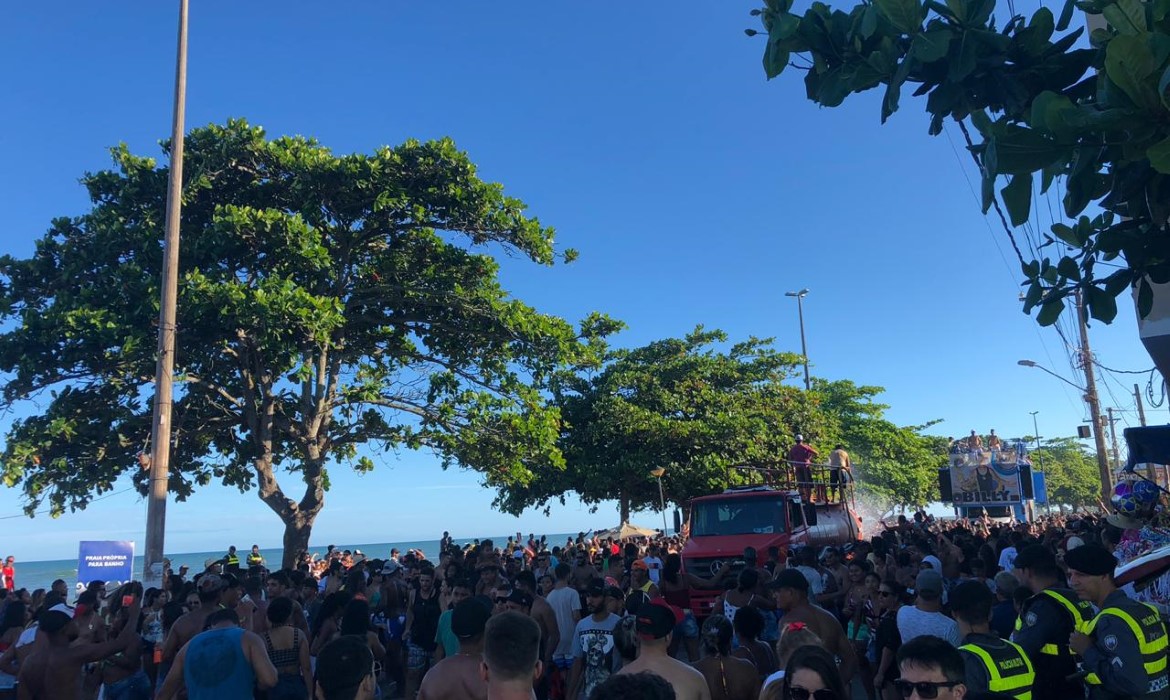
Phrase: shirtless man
{"type": "Point", "coordinates": [790, 591]}
{"type": "Point", "coordinates": [583, 572]}
{"type": "Point", "coordinates": [279, 585]}
{"type": "Point", "coordinates": [54, 671]}
{"type": "Point", "coordinates": [192, 623]}
{"type": "Point", "coordinates": [542, 612]}
{"type": "Point", "coordinates": [655, 624]}
{"type": "Point", "coordinates": [457, 677]}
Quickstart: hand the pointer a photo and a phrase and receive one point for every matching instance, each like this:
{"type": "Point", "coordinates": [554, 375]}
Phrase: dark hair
{"type": "Point", "coordinates": [527, 578]}
{"type": "Point", "coordinates": [819, 662]}
{"type": "Point", "coordinates": [171, 612]}
{"type": "Point", "coordinates": [861, 564]}
{"type": "Point", "coordinates": [971, 601]}
{"type": "Point", "coordinates": [511, 646]}
{"type": "Point", "coordinates": [281, 578]}
{"type": "Point", "coordinates": [329, 607]}
{"type": "Point", "coordinates": [14, 614]}
{"type": "Point", "coordinates": [625, 638]}
{"type": "Point", "coordinates": [748, 580]}
{"type": "Point", "coordinates": [562, 571]}
{"type": "Point", "coordinates": [1039, 560]}
{"type": "Point", "coordinates": [748, 627]}
{"type": "Point", "coordinates": [342, 666]}
{"type": "Point", "coordinates": [224, 615]}
{"type": "Point", "coordinates": [930, 652]}
{"type": "Point", "coordinates": [356, 618]}
{"type": "Point", "coordinates": [279, 610]}
{"type": "Point", "coordinates": [634, 686]}
{"type": "Point", "coordinates": [716, 635]}
{"type": "Point", "coordinates": [671, 567]}
{"type": "Point", "coordinates": [253, 585]}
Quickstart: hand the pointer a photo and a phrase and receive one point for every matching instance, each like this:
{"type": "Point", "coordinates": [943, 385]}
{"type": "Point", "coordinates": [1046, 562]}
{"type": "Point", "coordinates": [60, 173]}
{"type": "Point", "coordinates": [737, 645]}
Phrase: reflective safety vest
{"type": "Point", "coordinates": [1150, 633]}
{"type": "Point", "coordinates": [1080, 610]}
{"type": "Point", "coordinates": [232, 560]}
{"type": "Point", "coordinates": [1008, 667]}
{"type": "Point", "coordinates": [255, 560]}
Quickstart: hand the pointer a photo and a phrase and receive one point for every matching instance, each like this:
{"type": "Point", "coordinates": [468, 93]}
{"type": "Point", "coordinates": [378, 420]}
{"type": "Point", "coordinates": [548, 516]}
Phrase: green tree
{"type": "Point", "coordinates": [896, 464]}
{"type": "Point", "coordinates": [325, 303]}
{"type": "Point", "coordinates": [1070, 472]}
{"type": "Point", "coordinates": [1046, 107]}
{"type": "Point", "coordinates": [680, 403]}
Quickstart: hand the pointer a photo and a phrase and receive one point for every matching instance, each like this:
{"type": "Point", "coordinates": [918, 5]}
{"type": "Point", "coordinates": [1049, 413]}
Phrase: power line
{"type": "Point", "coordinates": [50, 510]}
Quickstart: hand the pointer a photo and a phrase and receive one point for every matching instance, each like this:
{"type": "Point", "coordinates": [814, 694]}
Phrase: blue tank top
{"type": "Point", "coordinates": [216, 668]}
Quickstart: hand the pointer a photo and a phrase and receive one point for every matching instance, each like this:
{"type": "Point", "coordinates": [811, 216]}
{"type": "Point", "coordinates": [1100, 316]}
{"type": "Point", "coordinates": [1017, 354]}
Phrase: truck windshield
{"type": "Point", "coordinates": [738, 516]}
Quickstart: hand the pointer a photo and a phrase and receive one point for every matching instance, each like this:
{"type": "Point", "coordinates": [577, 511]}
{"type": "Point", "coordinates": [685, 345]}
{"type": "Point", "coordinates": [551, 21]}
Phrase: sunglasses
{"type": "Point", "coordinates": [795, 693]}
{"type": "Point", "coordinates": [925, 690]}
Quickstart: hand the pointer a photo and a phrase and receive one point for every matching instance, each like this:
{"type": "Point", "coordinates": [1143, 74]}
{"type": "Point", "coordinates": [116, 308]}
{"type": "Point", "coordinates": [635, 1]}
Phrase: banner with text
{"type": "Point", "coordinates": [986, 477]}
{"type": "Point", "coordinates": [105, 560]}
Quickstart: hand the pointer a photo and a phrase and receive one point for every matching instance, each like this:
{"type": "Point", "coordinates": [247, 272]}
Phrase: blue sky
{"type": "Point", "coordinates": [696, 191]}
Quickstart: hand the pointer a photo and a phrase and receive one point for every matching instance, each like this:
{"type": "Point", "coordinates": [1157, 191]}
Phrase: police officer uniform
{"type": "Point", "coordinates": [1042, 630]}
{"type": "Point", "coordinates": [997, 665]}
{"type": "Point", "coordinates": [1127, 654]}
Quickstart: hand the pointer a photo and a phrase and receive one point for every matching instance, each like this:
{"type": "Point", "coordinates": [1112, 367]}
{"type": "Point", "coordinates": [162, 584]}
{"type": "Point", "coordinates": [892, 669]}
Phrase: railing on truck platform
{"type": "Point", "coordinates": [814, 481]}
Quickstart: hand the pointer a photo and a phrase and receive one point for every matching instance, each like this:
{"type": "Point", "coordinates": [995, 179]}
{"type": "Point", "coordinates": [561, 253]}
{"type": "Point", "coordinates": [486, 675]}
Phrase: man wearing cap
{"type": "Point", "coordinates": [925, 617]}
{"type": "Point", "coordinates": [790, 592]}
{"type": "Point", "coordinates": [1124, 646]}
{"type": "Point", "coordinates": [655, 623]}
{"type": "Point", "coordinates": [800, 457]}
{"type": "Point", "coordinates": [594, 656]}
{"type": "Point", "coordinates": [992, 663]}
{"type": "Point", "coordinates": [640, 579]}
{"type": "Point", "coordinates": [457, 676]}
{"type": "Point", "coordinates": [210, 587]}
{"type": "Point", "coordinates": [1045, 622]}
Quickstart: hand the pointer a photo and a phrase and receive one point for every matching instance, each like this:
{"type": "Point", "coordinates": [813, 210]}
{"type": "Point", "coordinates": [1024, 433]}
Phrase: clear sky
{"type": "Point", "coordinates": [696, 191]}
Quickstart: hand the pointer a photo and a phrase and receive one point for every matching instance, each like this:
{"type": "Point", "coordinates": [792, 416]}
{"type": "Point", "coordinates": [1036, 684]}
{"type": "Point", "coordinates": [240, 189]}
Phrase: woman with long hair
{"type": "Point", "coordinates": [748, 624]}
{"type": "Point", "coordinates": [811, 674]}
{"type": "Point", "coordinates": [16, 616]}
{"type": "Point", "coordinates": [676, 586]}
{"type": "Point", "coordinates": [288, 650]}
{"type": "Point", "coordinates": [728, 677]}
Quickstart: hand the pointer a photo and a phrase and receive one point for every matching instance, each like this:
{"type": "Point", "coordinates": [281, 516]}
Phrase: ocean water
{"type": "Point", "coordinates": [41, 574]}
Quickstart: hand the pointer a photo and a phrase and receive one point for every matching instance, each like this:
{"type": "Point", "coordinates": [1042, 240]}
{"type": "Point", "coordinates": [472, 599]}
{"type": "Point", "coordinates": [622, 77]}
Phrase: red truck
{"type": "Point", "coordinates": [761, 516]}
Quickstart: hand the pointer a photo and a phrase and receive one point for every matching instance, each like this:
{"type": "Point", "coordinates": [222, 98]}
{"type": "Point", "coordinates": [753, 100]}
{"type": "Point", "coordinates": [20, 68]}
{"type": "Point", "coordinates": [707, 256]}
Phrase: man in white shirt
{"type": "Point", "coordinates": [566, 605]}
{"type": "Point", "coordinates": [926, 617]}
{"type": "Point", "coordinates": [654, 563]}
{"type": "Point", "coordinates": [1007, 558]}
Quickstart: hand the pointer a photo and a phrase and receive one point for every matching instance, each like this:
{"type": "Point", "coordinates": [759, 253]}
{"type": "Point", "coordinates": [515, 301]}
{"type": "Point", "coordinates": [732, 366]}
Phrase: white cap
{"type": "Point", "coordinates": [1073, 543]}
{"type": "Point", "coordinates": [800, 438]}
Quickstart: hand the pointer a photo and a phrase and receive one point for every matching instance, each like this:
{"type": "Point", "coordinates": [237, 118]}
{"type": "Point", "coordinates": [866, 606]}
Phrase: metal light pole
{"type": "Point", "coordinates": [1040, 458]}
{"type": "Point", "coordinates": [1090, 397]}
{"type": "Point", "coordinates": [657, 473]}
{"type": "Point", "coordinates": [803, 347]}
{"type": "Point", "coordinates": [160, 456]}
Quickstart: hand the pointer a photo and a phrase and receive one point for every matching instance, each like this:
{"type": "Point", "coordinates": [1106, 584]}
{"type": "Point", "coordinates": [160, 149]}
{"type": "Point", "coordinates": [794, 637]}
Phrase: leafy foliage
{"type": "Point", "coordinates": [1070, 472]}
{"type": "Point", "coordinates": [1046, 108]}
{"type": "Point", "coordinates": [325, 303]}
{"type": "Point", "coordinates": [698, 410]}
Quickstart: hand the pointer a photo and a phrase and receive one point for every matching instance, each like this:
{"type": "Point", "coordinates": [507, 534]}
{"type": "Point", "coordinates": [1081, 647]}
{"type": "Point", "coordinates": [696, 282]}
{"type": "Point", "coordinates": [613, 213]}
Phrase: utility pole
{"type": "Point", "coordinates": [160, 440]}
{"type": "Point", "coordinates": [1094, 403]}
{"type": "Point", "coordinates": [1137, 396]}
{"type": "Point", "coordinates": [1113, 439]}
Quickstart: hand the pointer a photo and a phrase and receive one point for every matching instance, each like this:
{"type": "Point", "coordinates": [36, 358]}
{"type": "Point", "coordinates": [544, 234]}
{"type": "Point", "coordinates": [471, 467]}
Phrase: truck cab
{"type": "Point", "coordinates": [771, 514]}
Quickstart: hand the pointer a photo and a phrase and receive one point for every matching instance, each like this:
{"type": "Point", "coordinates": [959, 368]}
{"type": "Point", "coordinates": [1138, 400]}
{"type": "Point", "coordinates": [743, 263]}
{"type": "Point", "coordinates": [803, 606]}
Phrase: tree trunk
{"type": "Point", "coordinates": [624, 507]}
{"type": "Point", "coordinates": [296, 540]}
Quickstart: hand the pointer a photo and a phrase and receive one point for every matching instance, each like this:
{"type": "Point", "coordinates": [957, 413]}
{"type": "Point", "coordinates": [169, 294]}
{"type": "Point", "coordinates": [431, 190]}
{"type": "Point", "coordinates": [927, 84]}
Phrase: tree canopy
{"type": "Point", "coordinates": [1070, 470]}
{"type": "Point", "coordinates": [697, 407]}
{"type": "Point", "coordinates": [325, 303]}
{"type": "Point", "coordinates": [1045, 107]}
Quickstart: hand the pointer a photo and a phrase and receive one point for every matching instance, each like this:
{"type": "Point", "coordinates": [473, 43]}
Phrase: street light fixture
{"type": "Point", "coordinates": [657, 473]}
{"type": "Point", "coordinates": [803, 347]}
{"type": "Point", "coordinates": [1090, 397]}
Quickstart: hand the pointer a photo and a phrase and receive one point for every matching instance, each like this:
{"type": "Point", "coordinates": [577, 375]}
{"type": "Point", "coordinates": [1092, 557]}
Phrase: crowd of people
{"type": "Point", "coordinates": [925, 609]}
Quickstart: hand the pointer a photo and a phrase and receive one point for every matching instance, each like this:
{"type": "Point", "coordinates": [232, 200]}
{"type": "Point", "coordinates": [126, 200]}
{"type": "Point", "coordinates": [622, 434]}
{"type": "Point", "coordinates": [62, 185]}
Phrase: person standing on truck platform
{"type": "Point", "coordinates": [840, 472]}
{"type": "Point", "coordinates": [800, 457]}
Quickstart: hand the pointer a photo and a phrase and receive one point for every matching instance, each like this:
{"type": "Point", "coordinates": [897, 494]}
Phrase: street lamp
{"type": "Point", "coordinates": [803, 348]}
{"type": "Point", "coordinates": [1039, 454]}
{"type": "Point", "coordinates": [657, 473]}
{"type": "Point", "coordinates": [1090, 397]}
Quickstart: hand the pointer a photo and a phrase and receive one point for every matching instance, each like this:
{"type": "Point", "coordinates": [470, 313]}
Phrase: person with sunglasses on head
{"type": "Point", "coordinates": [1045, 622]}
{"type": "Point", "coordinates": [1124, 646]}
{"type": "Point", "coordinates": [656, 621]}
{"type": "Point", "coordinates": [931, 667]}
{"type": "Point", "coordinates": [790, 592]}
{"type": "Point", "coordinates": [992, 663]}
{"type": "Point", "coordinates": [812, 674]}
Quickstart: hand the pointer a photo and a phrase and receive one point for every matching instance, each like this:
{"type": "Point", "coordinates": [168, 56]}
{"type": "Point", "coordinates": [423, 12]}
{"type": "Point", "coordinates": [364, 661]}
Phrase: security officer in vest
{"type": "Point", "coordinates": [992, 664]}
{"type": "Point", "coordinates": [231, 563]}
{"type": "Point", "coordinates": [1045, 623]}
{"type": "Point", "coordinates": [1124, 647]}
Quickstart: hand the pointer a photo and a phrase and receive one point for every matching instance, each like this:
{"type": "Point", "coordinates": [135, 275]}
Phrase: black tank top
{"type": "Point", "coordinates": [426, 620]}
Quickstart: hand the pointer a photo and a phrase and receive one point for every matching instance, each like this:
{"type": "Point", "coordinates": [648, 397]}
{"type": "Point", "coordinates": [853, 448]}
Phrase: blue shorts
{"type": "Point", "coordinates": [416, 657]}
{"type": "Point", "coordinates": [688, 628]}
{"type": "Point", "coordinates": [395, 626]}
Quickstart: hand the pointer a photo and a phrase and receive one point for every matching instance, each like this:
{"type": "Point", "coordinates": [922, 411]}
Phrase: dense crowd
{"type": "Point", "coordinates": [925, 609]}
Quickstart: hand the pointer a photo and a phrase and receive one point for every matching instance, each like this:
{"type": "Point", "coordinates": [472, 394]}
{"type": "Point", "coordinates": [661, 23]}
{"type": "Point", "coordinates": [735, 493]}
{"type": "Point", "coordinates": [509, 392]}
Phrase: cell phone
{"type": "Point", "coordinates": [127, 601]}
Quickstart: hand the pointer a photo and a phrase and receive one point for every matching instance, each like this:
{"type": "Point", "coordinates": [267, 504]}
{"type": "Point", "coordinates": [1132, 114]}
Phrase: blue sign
{"type": "Point", "coordinates": [1039, 487]}
{"type": "Point", "coordinates": [108, 561]}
